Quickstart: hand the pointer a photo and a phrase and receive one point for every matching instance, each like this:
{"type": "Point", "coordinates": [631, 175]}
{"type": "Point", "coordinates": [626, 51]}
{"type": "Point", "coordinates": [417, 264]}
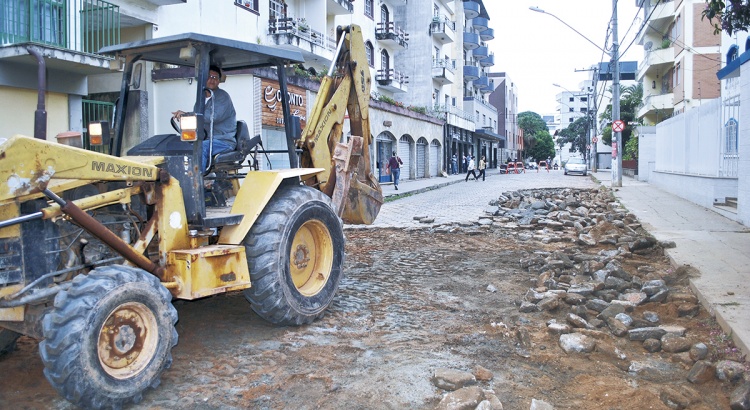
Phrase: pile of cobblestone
{"type": "Point", "coordinates": [593, 293]}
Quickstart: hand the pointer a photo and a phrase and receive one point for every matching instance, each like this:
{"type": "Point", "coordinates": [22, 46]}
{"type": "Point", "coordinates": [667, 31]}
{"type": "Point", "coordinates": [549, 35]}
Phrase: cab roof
{"type": "Point", "coordinates": [228, 54]}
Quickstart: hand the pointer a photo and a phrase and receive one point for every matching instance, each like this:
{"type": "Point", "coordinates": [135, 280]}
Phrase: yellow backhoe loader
{"type": "Point", "coordinates": [94, 247]}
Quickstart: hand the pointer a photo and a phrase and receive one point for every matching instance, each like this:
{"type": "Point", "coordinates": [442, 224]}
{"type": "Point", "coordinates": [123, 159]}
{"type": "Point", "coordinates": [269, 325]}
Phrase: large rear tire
{"type": "Point", "coordinates": [109, 337]}
{"type": "Point", "coordinates": [7, 341]}
{"type": "Point", "coordinates": [295, 252]}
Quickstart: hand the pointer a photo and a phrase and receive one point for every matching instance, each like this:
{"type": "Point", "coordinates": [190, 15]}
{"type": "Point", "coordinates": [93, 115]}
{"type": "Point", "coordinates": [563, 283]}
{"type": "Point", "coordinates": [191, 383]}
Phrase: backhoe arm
{"type": "Point", "coordinates": [347, 177]}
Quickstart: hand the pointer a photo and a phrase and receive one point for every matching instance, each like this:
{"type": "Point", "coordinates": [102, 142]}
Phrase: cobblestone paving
{"type": "Point", "coordinates": [466, 201]}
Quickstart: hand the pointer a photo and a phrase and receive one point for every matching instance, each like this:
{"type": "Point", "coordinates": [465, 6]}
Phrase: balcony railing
{"type": "Point", "coordinates": [388, 32]}
{"type": "Point", "coordinates": [443, 29]}
{"type": "Point", "coordinates": [85, 25]}
{"type": "Point", "coordinates": [299, 28]}
{"type": "Point", "coordinates": [444, 63]}
{"type": "Point", "coordinates": [96, 111]}
{"type": "Point", "coordinates": [392, 80]}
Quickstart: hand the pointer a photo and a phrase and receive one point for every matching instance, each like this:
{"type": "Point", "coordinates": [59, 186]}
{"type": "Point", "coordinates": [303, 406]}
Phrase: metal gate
{"type": "Point", "coordinates": [404, 152]}
{"type": "Point", "coordinates": [421, 157]}
{"type": "Point", "coordinates": [434, 158]}
{"type": "Point", "coordinates": [385, 148]}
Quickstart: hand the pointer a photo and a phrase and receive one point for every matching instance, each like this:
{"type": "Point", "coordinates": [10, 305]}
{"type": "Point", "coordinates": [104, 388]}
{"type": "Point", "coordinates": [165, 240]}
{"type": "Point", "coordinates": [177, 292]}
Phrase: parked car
{"type": "Point", "coordinates": [575, 166]}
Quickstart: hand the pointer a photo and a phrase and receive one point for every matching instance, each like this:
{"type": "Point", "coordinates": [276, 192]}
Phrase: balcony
{"type": "Point", "coordinates": [295, 34]}
{"type": "Point", "coordinates": [471, 40]}
{"type": "Point", "coordinates": [657, 103]}
{"type": "Point", "coordinates": [480, 23]}
{"type": "Point", "coordinates": [443, 71]}
{"type": "Point", "coordinates": [84, 26]}
{"type": "Point", "coordinates": [456, 117]}
{"type": "Point", "coordinates": [471, 9]}
{"type": "Point", "coordinates": [392, 81]}
{"type": "Point", "coordinates": [388, 33]}
{"type": "Point", "coordinates": [489, 61]}
{"type": "Point", "coordinates": [471, 73]}
{"type": "Point", "coordinates": [443, 30]}
{"type": "Point", "coordinates": [487, 35]}
{"type": "Point", "coordinates": [482, 82]}
{"type": "Point", "coordinates": [337, 7]}
{"type": "Point", "coordinates": [661, 60]}
{"type": "Point", "coordinates": [480, 53]}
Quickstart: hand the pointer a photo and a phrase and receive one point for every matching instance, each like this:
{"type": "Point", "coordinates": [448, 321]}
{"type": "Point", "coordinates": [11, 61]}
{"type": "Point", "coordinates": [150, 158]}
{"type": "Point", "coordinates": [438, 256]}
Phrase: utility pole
{"type": "Point", "coordinates": [592, 115]}
{"type": "Point", "coordinates": [617, 147]}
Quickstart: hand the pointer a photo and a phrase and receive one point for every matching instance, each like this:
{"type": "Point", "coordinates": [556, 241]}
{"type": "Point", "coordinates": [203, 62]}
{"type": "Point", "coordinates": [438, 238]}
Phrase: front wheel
{"type": "Point", "coordinates": [109, 337]}
{"type": "Point", "coordinates": [295, 252]}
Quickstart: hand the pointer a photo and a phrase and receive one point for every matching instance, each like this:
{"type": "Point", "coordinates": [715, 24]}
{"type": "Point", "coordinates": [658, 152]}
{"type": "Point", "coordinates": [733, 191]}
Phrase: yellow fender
{"type": "Point", "coordinates": [255, 192]}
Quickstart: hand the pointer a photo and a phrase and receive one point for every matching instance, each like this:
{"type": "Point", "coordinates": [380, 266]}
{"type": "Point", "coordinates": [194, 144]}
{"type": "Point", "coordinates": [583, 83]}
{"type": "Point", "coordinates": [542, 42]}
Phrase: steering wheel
{"type": "Point", "coordinates": [175, 124]}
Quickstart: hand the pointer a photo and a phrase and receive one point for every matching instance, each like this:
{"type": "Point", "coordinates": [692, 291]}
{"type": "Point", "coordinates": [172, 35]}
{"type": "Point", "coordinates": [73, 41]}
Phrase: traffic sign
{"type": "Point", "coordinates": [618, 126]}
{"type": "Point", "coordinates": [594, 140]}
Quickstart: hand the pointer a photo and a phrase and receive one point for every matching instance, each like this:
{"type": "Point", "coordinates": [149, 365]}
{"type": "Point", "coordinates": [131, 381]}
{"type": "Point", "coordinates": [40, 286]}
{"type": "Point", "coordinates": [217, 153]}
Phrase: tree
{"type": "Point", "coordinates": [631, 99]}
{"type": "Point", "coordinates": [576, 134]}
{"type": "Point", "coordinates": [532, 124]}
{"type": "Point", "coordinates": [543, 148]}
{"type": "Point", "coordinates": [731, 19]}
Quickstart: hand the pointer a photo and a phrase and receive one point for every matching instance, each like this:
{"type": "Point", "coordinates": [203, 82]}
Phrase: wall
{"type": "Point", "coordinates": [687, 157]}
{"type": "Point", "coordinates": [689, 143]}
{"type": "Point", "coordinates": [743, 183]}
{"type": "Point", "coordinates": [646, 152]}
{"type": "Point", "coordinates": [18, 117]}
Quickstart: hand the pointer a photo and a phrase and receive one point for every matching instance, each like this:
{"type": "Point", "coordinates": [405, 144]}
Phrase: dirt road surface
{"type": "Point", "coordinates": [412, 301]}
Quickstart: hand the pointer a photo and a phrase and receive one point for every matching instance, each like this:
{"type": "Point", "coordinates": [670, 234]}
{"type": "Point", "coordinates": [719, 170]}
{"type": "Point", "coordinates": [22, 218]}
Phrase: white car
{"type": "Point", "coordinates": [575, 166]}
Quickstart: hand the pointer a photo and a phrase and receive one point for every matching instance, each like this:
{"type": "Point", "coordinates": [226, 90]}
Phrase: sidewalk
{"type": "Point", "coordinates": [717, 247]}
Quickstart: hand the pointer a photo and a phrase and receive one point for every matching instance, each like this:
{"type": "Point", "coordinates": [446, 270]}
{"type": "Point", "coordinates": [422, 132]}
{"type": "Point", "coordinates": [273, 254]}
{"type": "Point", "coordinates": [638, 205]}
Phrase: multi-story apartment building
{"type": "Point", "coordinates": [408, 111]}
{"type": "Point", "coordinates": [682, 56]}
{"type": "Point", "coordinates": [505, 100]}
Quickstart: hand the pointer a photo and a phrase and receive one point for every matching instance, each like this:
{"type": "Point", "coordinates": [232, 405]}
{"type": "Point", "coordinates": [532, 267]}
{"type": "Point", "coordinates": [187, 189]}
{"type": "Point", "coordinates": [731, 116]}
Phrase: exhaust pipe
{"type": "Point", "coordinates": [40, 115]}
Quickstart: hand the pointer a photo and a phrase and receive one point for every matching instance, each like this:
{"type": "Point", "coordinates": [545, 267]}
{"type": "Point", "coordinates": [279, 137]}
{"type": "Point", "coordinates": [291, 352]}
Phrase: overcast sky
{"type": "Point", "coordinates": [536, 50]}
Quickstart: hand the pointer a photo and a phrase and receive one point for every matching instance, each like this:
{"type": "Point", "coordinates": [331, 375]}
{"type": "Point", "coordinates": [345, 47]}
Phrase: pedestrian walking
{"type": "Point", "coordinates": [454, 165]}
{"type": "Point", "coordinates": [470, 169]}
{"type": "Point", "coordinates": [482, 166]}
{"type": "Point", "coordinates": [394, 164]}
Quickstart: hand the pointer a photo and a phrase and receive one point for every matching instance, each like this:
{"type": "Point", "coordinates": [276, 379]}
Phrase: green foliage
{"type": "Point", "coordinates": [729, 18]}
{"type": "Point", "coordinates": [631, 148]}
{"type": "Point", "coordinates": [576, 134]}
{"type": "Point", "coordinates": [389, 100]}
{"type": "Point", "coordinates": [421, 110]}
{"type": "Point", "coordinates": [665, 43]}
{"type": "Point", "coordinates": [631, 99]}
{"type": "Point", "coordinates": [543, 147]}
{"type": "Point", "coordinates": [532, 125]}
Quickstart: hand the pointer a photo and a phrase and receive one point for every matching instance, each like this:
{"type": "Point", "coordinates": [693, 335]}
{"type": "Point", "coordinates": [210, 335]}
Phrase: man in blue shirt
{"type": "Point", "coordinates": [225, 118]}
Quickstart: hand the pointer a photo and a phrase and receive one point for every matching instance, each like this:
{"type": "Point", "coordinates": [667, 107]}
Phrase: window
{"type": "Point", "coordinates": [385, 63]}
{"type": "Point", "coordinates": [678, 74]}
{"type": "Point", "coordinates": [436, 95]}
{"type": "Point", "coordinates": [276, 9]}
{"type": "Point", "coordinates": [730, 129]}
{"type": "Point", "coordinates": [453, 101]}
{"type": "Point", "coordinates": [385, 16]}
{"type": "Point", "coordinates": [570, 120]}
{"type": "Point", "coordinates": [572, 99]}
{"type": "Point", "coordinates": [435, 10]}
{"type": "Point", "coordinates": [370, 52]}
{"type": "Point", "coordinates": [437, 53]}
{"type": "Point", "coordinates": [369, 8]}
{"type": "Point", "coordinates": [249, 5]}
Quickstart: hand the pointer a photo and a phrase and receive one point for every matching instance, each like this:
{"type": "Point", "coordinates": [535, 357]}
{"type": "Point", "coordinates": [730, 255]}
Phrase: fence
{"type": "Point", "coordinates": [85, 26]}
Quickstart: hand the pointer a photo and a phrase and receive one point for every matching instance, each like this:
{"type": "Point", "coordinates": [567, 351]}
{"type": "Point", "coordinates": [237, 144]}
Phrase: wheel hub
{"type": "Point", "coordinates": [311, 258]}
{"type": "Point", "coordinates": [127, 340]}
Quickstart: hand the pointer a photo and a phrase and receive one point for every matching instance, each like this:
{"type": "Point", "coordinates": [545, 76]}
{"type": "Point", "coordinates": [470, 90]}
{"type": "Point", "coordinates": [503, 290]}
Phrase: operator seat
{"type": "Point", "coordinates": [232, 160]}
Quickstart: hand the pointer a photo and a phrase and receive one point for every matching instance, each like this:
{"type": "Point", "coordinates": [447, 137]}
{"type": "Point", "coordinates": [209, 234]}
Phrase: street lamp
{"type": "Point", "coordinates": [615, 58]}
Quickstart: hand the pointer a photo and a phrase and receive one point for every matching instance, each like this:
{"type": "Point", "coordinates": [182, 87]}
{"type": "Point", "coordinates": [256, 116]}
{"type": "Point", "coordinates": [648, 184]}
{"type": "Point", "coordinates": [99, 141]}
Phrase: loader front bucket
{"type": "Point", "coordinates": [363, 202]}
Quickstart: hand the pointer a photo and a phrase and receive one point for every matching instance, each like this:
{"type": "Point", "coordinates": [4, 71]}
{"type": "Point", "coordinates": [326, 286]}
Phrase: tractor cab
{"type": "Point", "coordinates": [190, 55]}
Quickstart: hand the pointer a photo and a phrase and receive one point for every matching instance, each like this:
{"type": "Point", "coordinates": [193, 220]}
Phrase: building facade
{"type": "Point", "coordinates": [424, 116]}
{"type": "Point", "coordinates": [682, 56]}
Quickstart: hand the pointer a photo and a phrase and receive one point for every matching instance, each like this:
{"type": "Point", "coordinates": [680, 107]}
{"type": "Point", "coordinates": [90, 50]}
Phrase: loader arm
{"type": "Point", "coordinates": [347, 177]}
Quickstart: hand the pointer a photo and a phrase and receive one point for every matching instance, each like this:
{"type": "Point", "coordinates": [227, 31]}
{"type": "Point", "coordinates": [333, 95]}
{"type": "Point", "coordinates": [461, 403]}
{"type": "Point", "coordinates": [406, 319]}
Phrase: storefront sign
{"type": "Point", "coordinates": [271, 103]}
